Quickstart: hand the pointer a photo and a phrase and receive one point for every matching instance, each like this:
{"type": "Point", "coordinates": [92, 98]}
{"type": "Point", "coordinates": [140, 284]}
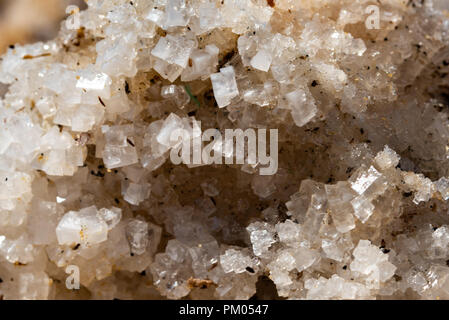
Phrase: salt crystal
{"type": "Point", "coordinates": [288, 231]}
{"type": "Point", "coordinates": [387, 159]}
{"type": "Point", "coordinates": [236, 261]}
{"type": "Point", "coordinates": [174, 50]}
{"type": "Point", "coordinates": [225, 86]}
{"type": "Point", "coordinates": [83, 227]}
{"type": "Point", "coordinates": [360, 183]}
{"type": "Point", "coordinates": [171, 123]}
{"type": "Point", "coordinates": [175, 15]}
{"type": "Point", "coordinates": [339, 197]}
{"type": "Point", "coordinates": [302, 105]}
{"type": "Point", "coordinates": [135, 193]}
{"type": "Point", "coordinates": [442, 185]}
{"type": "Point", "coordinates": [98, 82]}
{"type": "Point", "coordinates": [111, 216]}
{"type": "Point", "coordinates": [262, 237]}
{"type": "Point", "coordinates": [204, 63]}
{"type": "Point", "coordinates": [261, 61]}
{"type": "Point", "coordinates": [177, 94]}
{"type": "Point", "coordinates": [137, 234]}
{"type": "Point", "coordinates": [363, 208]}
{"type": "Point", "coordinates": [371, 262]}
{"type": "Point", "coordinates": [304, 258]}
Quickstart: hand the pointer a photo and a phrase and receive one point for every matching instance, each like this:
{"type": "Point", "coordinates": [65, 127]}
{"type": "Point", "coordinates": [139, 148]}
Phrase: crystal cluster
{"type": "Point", "coordinates": [358, 208]}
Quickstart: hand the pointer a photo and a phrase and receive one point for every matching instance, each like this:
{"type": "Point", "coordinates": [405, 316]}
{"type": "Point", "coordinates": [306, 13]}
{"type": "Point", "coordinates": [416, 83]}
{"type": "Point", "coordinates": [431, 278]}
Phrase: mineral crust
{"type": "Point", "coordinates": [358, 208]}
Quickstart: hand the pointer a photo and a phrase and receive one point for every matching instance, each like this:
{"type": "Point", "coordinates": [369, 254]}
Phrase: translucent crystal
{"type": "Point", "coordinates": [100, 83]}
{"type": "Point", "coordinates": [17, 251]}
{"type": "Point", "coordinates": [261, 61]}
{"type": "Point", "coordinates": [225, 86]}
{"type": "Point", "coordinates": [177, 94]}
{"type": "Point", "coordinates": [83, 227]}
{"type": "Point", "coordinates": [288, 231]}
{"type": "Point", "coordinates": [111, 216]}
{"type": "Point", "coordinates": [304, 258]}
{"type": "Point", "coordinates": [302, 105]}
{"type": "Point", "coordinates": [370, 261]}
{"type": "Point", "coordinates": [442, 185]}
{"type": "Point", "coordinates": [335, 287]}
{"type": "Point", "coordinates": [363, 208]}
{"type": "Point", "coordinates": [423, 186]}
{"type": "Point", "coordinates": [118, 152]}
{"type": "Point", "coordinates": [339, 197]}
{"type": "Point", "coordinates": [174, 50]}
{"type": "Point", "coordinates": [387, 159]}
{"type": "Point", "coordinates": [237, 261]}
{"type": "Point", "coordinates": [175, 15]}
{"type": "Point", "coordinates": [135, 193]}
{"type": "Point", "coordinates": [262, 237]}
{"type": "Point", "coordinates": [364, 180]}
{"type": "Point", "coordinates": [87, 121]}
{"type": "Point", "coordinates": [203, 63]}
{"type": "Point", "coordinates": [137, 235]}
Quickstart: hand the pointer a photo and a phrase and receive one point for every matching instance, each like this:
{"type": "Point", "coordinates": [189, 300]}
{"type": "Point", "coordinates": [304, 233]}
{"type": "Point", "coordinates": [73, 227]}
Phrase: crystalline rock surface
{"type": "Point", "coordinates": [358, 208]}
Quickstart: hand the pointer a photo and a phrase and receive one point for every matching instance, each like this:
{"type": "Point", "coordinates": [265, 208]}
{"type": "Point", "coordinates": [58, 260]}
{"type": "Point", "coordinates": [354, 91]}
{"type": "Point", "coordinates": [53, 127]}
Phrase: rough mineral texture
{"type": "Point", "coordinates": [358, 208]}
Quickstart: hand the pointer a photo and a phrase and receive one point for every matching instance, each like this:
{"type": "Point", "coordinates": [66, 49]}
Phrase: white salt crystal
{"type": "Point", "coordinates": [370, 261]}
{"type": "Point", "coordinates": [236, 261]}
{"type": "Point", "coordinates": [280, 277]}
{"type": "Point", "coordinates": [331, 75]}
{"type": "Point", "coordinates": [20, 250]}
{"type": "Point", "coordinates": [364, 180]}
{"type": "Point", "coordinates": [442, 186]}
{"type": "Point", "coordinates": [118, 152]}
{"type": "Point", "coordinates": [174, 50]}
{"type": "Point", "coordinates": [225, 86]}
{"type": "Point", "coordinates": [137, 235]}
{"type": "Point", "coordinates": [261, 61]}
{"type": "Point", "coordinates": [168, 71]}
{"type": "Point", "coordinates": [111, 216]}
{"type": "Point", "coordinates": [339, 197]}
{"type": "Point", "coordinates": [175, 14]}
{"type": "Point", "coordinates": [156, 16]}
{"type": "Point", "coordinates": [441, 237]}
{"type": "Point", "coordinates": [304, 258]}
{"type": "Point", "coordinates": [288, 231]}
{"type": "Point", "coordinates": [363, 208]}
{"type": "Point", "coordinates": [262, 237]}
{"type": "Point", "coordinates": [387, 159]}
{"type": "Point", "coordinates": [116, 157]}
{"type": "Point", "coordinates": [135, 193]}
{"type": "Point", "coordinates": [423, 187]}
{"type": "Point", "coordinates": [302, 105]}
{"type": "Point", "coordinates": [86, 117]}
{"type": "Point", "coordinates": [98, 82]}
{"type": "Point", "coordinates": [204, 63]}
{"type": "Point", "coordinates": [209, 15]}
{"type": "Point", "coordinates": [46, 107]}
{"type": "Point", "coordinates": [177, 94]}
{"type": "Point", "coordinates": [82, 226]}
{"type": "Point", "coordinates": [171, 123]}
{"type": "Point", "coordinates": [335, 288]}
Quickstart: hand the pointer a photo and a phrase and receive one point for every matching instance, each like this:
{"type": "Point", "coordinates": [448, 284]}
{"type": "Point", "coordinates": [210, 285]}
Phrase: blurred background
{"type": "Point", "coordinates": [25, 21]}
